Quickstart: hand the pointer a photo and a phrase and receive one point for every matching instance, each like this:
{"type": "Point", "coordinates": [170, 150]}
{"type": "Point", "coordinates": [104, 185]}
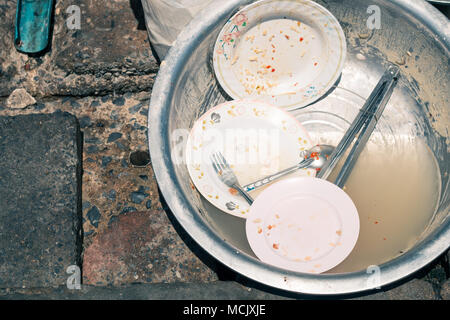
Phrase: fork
{"type": "Point", "coordinates": [227, 175]}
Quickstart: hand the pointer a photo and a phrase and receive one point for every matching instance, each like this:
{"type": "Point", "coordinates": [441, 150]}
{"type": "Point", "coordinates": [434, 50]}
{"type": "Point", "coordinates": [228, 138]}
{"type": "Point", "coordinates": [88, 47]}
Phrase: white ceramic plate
{"type": "Point", "coordinates": [287, 53]}
{"type": "Point", "coordinates": [256, 139]}
{"type": "Point", "coordinates": [303, 224]}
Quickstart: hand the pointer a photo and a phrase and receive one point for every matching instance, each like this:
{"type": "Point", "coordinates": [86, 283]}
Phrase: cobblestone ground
{"type": "Point", "coordinates": [103, 74]}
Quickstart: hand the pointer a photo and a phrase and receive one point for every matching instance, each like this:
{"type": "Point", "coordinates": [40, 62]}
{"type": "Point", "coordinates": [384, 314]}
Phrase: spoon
{"type": "Point", "coordinates": [314, 158]}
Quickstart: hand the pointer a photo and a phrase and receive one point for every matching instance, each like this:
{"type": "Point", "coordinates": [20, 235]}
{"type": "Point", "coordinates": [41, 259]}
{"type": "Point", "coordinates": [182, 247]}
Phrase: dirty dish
{"type": "Point", "coordinates": [303, 224]}
{"type": "Point", "coordinates": [287, 53]}
{"type": "Point", "coordinates": [256, 138]}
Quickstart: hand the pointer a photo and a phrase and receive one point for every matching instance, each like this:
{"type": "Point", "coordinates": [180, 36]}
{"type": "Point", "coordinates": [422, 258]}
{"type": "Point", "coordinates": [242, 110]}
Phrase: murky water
{"type": "Point", "coordinates": [395, 187]}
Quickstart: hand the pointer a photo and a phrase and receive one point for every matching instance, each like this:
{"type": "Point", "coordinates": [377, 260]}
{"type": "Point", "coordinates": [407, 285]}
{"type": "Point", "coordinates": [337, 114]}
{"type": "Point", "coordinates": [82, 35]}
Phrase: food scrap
{"type": "Point", "coordinates": [260, 76]}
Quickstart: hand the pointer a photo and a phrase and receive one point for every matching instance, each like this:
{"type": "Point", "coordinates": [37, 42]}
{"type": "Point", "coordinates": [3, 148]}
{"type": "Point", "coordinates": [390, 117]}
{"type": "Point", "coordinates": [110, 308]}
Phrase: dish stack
{"type": "Point", "coordinates": [273, 57]}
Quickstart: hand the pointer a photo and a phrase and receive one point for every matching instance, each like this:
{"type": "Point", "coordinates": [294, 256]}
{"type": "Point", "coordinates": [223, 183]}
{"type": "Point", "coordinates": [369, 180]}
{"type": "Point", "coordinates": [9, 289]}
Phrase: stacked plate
{"type": "Point", "coordinates": [272, 57]}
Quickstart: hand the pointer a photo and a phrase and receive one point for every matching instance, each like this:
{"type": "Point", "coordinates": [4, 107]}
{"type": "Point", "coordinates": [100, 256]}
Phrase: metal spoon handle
{"type": "Point", "coordinates": [366, 111]}
{"type": "Point", "coordinates": [266, 180]}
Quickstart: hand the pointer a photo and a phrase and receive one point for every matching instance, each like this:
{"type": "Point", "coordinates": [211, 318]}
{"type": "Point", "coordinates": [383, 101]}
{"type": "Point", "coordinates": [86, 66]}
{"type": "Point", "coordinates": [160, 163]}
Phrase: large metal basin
{"type": "Point", "coordinates": [412, 34]}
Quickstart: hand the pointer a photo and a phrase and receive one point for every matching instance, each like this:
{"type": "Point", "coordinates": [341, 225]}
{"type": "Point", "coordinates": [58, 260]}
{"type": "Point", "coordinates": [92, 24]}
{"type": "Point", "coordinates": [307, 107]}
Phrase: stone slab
{"type": "Point", "coordinates": [142, 247]}
{"type": "Point", "coordinates": [217, 290]}
{"type": "Point", "coordinates": [101, 49]}
{"type": "Point", "coordinates": [414, 289]}
{"type": "Point", "coordinates": [113, 128]}
{"type": "Point", "coordinates": [445, 290]}
{"type": "Point", "coordinates": [40, 212]}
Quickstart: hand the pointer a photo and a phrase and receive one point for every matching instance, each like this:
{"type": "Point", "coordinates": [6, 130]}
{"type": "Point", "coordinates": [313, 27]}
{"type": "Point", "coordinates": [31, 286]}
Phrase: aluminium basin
{"type": "Point", "coordinates": [412, 34]}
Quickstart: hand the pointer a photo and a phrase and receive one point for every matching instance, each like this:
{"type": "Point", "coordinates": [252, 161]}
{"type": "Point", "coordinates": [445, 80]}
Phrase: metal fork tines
{"type": "Point", "coordinates": [227, 175]}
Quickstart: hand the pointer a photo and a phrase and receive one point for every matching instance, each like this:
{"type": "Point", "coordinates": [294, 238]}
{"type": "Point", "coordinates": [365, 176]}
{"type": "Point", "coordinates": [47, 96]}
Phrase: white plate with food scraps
{"type": "Point", "coordinates": [256, 139]}
{"type": "Point", "coordinates": [303, 224]}
{"type": "Point", "coordinates": [288, 53]}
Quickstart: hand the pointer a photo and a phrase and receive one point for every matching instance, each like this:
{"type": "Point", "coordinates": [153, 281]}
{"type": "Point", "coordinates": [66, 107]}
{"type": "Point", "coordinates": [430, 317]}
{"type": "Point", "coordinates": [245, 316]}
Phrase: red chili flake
{"type": "Point", "coordinates": [314, 155]}
{"type": "Point", "coordinates": [272, 58]}
{"type": "Point", "coordinates": [301, 39]}
{"type": "Point", "coordinates": [287, 37]}
{"type": "Point", "coordinates": [315, 63]}
{"type": "Point", "coordinates": [233, 191]}
{"type": "Point", "coordinates": [273, 70]}
{"type": "Point", "coordinates": [275, 246]}
{"type": "Point", "coordinates": [384, 239]}
{"type": "Point", "coordinates": [267, 67]}
{"type": "Point", "coordinates": [273, 46]}
{"type": "Point", "coordinates": [376, 222]}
